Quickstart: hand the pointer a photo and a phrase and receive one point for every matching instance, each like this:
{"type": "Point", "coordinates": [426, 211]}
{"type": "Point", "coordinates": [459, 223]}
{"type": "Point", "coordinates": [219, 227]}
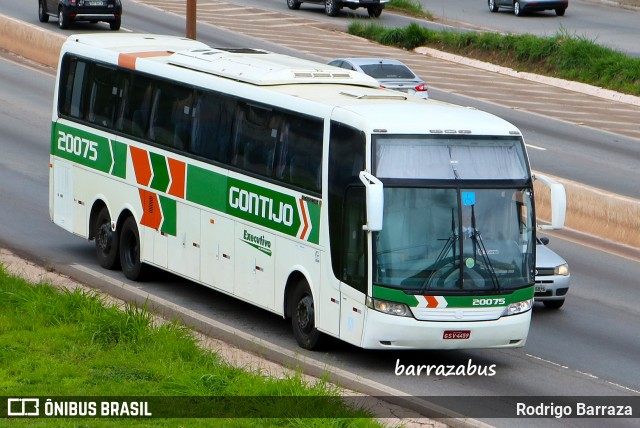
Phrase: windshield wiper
{"type": "Point", "coordinates": [451, 243]}
{"type": "Point", "coordinates": [476, 238]}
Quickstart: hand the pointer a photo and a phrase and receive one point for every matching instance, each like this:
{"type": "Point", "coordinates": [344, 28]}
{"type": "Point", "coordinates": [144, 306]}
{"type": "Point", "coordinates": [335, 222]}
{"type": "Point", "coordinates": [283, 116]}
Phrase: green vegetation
{"type": "Point", "coordinates": [564, 55]}
{"type": "Point", "coordinates": [72, 343]}
{"type": "Point", "coordinates": [409, 7]}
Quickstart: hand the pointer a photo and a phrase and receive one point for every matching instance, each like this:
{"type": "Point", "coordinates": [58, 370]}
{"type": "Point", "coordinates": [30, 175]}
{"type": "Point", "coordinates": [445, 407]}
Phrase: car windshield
{"type": "Point", "coordinates": [387, 71]}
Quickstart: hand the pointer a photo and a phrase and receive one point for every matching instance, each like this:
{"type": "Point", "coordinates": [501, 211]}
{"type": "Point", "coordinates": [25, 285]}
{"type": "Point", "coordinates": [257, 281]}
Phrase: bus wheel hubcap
{"type": "Point", "coordinates": [105, 236]}
{"type": "Point", "coordinates": [305, 314]}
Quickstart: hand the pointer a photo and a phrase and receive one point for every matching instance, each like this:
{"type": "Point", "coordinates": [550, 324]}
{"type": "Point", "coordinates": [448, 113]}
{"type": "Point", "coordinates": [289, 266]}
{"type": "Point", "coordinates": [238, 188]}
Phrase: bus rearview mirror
{"type": "Point", "coordinates": [374, 201]}
{"type": "Point", "coordinates": [558, 202]}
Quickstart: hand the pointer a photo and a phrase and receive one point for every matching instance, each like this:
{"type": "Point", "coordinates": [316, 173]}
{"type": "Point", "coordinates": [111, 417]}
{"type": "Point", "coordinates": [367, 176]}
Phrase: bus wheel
{"type": "Point", "coordinates": [303, 317]}
{"type": "Point", "coordinates": [106, 241]}
{"type": "Point", "coordinates": [130, 250]}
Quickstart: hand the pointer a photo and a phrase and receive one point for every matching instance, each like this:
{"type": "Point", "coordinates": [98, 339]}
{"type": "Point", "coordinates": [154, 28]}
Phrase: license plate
{"type": "Point", "coordinates": [456, 334]}
{"type": "Point", "coordinates": [540, 288]}
{"type": "Point", "coordinates": [96, 3]}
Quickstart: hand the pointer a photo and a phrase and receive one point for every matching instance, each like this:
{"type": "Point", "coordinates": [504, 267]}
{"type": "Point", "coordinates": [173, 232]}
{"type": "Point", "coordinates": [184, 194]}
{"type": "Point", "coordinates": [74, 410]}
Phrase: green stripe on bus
{"type": "Point", "coordinates": [314, 218]}
{"type": "Point", "coordinates": [160, 180]}
{"type": "Point", "coordinates": [206, 188]}
{"type": "Point", "coordinates": [89, 149]}
{"type": "Point", "coordinates": [119, 168]}
{"type": "Point", "coordinates": [169, 216]}
{"type": "Point", "coordinates": [81, 147]}
{"type": "Point", "coordinates": [262, 206]}
{"type": "Point", "coordinates": [394, 295]}
{"type": "Point", "coordinates": [399, 296]}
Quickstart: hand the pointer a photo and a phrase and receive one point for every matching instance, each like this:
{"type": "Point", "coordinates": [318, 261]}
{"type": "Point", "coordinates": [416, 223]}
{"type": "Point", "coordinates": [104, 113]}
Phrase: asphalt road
{"type": "Point", "coordinates": [587, 348]}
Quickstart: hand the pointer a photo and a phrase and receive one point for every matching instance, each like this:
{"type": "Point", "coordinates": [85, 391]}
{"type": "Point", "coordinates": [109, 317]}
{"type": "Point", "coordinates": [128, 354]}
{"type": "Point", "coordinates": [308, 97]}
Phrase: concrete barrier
{"type": "Point", "coordinates": [589, 210]}
{"type": "Point", "coordinates": [594, 211]}
{"type": "Point", "coordinates": [30, 41]}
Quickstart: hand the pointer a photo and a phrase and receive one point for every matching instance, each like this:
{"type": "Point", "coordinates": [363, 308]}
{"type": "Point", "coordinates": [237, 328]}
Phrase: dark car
{"type": "Point", "coordinates": [520, 7]}
{"type": "Point", "coordinates": [69, 11]}
{"type": "Point", "coordinates": [332, 7]}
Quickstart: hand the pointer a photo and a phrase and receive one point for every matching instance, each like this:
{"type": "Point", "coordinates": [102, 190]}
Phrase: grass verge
{"type": "Point", "coordinates": [409, 7]}
{"type": "Point", "coordinates": [72, 343]}
{"type": "Point", "coordinates": [563, 55]}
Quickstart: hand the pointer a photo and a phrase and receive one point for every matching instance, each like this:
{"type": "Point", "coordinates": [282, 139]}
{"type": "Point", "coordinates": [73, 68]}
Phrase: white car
{"type": "Point", "coordinates": [390, 73]}
{"type": "Point", "coordinates": [552, 276]}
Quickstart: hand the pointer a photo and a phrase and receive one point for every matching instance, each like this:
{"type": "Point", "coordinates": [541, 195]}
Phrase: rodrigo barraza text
{"type": "Point", "coordinates": [577, 410]}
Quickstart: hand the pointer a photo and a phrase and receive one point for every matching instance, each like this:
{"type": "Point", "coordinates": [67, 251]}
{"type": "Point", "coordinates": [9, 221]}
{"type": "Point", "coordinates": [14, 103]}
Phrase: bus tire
{"type": "Point", "coordinates": [303, 317]}
{"type": "Point", "coordinates": [106, 241]}
{"type": "Point", "coordinates": [132, 267]}
{"type": "Point", "coordinates": [43, 16]}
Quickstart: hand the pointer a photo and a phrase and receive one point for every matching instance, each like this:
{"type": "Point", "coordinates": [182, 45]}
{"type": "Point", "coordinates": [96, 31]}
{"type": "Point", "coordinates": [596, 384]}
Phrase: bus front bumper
{"type": "Point", "coordinates": [384, 331]}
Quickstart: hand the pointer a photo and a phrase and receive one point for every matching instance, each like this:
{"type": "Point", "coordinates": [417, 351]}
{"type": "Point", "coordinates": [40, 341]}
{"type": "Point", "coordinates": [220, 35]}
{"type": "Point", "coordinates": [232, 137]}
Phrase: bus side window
{"type": "Point", "coordinates": [135, 118]}
{"type": "Point", "coordinates": [255, 139]}
{"type": "Point", "coordinates": [170, 115]}
{"type": "Point", "coordinates": [354, 239]}
{"type": "Point", "coordinates": [303, 143]}
{"type": "Point", "coordinates": [213, 116]}
{"type": "Point", "coordinates": [346, 160]}
{"type": "Point", "coordinates": [70, 99]}
{"type": "Point", "coordinates": [103, 96]}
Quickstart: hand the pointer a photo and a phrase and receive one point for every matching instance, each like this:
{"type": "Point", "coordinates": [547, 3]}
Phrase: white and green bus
{"type": "Point", "coordinates": [361, 213]}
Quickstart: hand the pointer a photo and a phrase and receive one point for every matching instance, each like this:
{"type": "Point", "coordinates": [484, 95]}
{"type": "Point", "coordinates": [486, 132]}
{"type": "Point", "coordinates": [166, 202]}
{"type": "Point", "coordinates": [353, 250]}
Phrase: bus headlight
{"type": "Point", "coordinates": [518, 307]}
{"type": "Point", "coordinates": [561, 270]}
{"type": "Point", "coordinates": [391, 308]}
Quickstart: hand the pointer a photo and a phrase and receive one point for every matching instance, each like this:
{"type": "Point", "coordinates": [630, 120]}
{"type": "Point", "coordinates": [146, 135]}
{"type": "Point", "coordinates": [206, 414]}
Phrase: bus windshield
{"type": "Point", "coordinates": [446, 227]}
{"type": "Point", "coordinates": [455, 240]}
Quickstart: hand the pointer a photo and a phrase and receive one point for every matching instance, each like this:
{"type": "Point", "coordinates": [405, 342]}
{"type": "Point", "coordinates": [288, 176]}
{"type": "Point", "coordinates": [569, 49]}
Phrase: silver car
{"type": "Point", "coordinates": [520, 7]}
{"type": "Point", "coordinates": [390, 73]}
{"type": "Point", "coordinates": [552, 276]}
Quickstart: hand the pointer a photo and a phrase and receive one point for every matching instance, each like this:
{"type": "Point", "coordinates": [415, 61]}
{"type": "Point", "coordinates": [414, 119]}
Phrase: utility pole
{"type": "Point", "coordinates": [191, 19]}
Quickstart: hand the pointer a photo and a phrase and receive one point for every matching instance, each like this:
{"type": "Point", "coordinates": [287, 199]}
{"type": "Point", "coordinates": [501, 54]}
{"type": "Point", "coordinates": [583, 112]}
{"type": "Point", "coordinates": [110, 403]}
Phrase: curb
{"type": "Point", "coordinates": [592, 211]}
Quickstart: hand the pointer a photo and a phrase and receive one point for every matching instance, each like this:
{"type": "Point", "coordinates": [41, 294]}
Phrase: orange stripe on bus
{"type": "Point", "coordinates": [432, 302]}
{"type": "Point", "coordinates": [141, 165]}
{"type": "Point", "coordinates": [177, 170]}
{"type": "Point", "coordinates": [304, 220]}
{"type": "Point", "coordinates": [151, 211]}
{"type": "Point", "coordinates": [128, 60]}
